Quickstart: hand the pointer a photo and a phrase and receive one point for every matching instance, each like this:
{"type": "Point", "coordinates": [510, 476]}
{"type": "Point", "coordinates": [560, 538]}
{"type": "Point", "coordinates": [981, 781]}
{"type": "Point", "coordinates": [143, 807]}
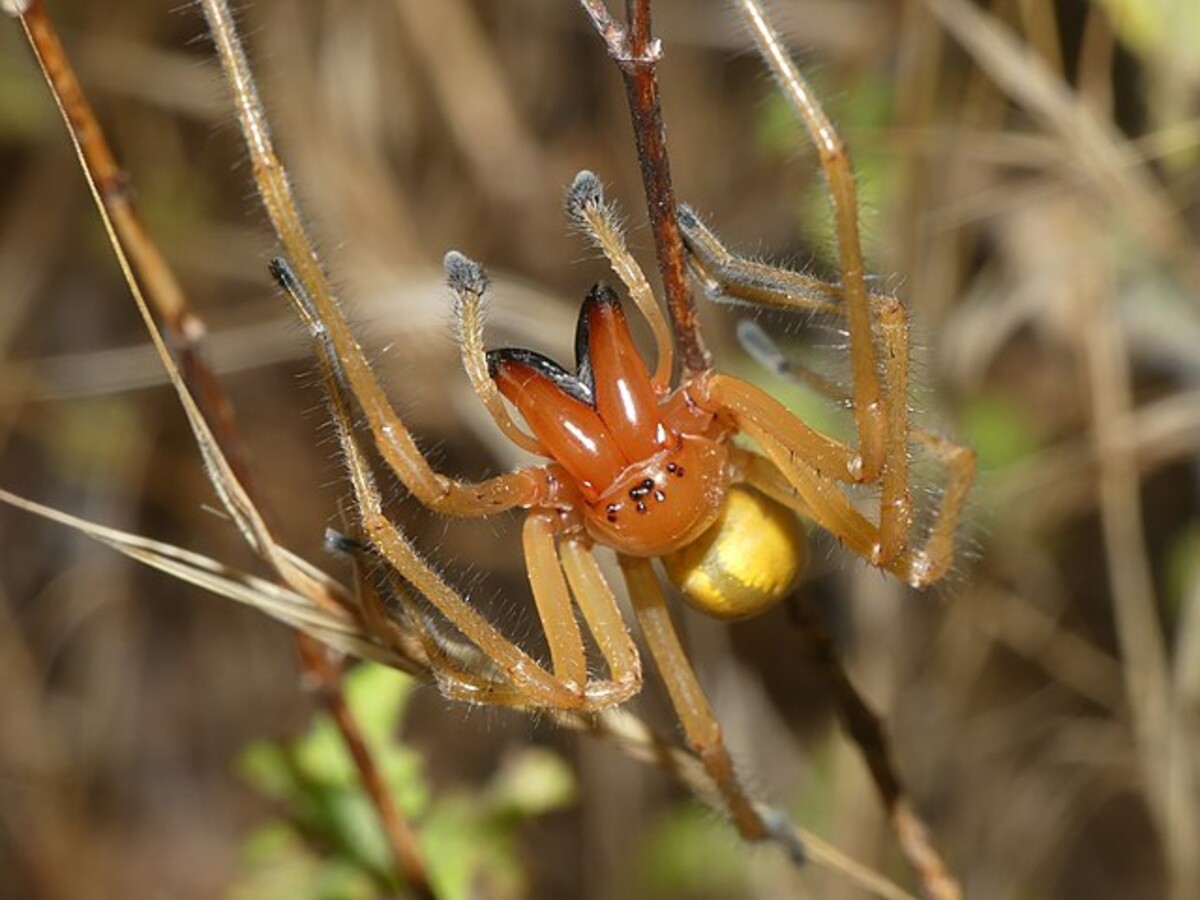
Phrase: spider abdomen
{"type": "Point", "coordinates": [746, 562]}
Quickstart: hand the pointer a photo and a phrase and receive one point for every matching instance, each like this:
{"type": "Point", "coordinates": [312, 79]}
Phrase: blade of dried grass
{"type": "Point", "coordinates": [223, 475]}
{"type": "Point", "coordinates": [335, 628]}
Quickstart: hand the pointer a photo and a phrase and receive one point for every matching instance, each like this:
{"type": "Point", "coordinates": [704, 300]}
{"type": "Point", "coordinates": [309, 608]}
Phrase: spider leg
{"type": "Point", "coordinates": [548, 560]}
{"type": "Point", "coordinates": [895, 503]}
{"type": "Point", "coordinates": [700, 726]}
{"type": "Point", "coordinates": [309, 289]}
{"type": "Point", "coordinates": [341, 354]}
{"type": "Point", "coordinates": [590, 211]}
{"type": "Point", "coordinates": [959, 461]}
{"type": "Point", "coordinates": [757, 412]}
{"type": "Point", "coordinates": [868, 404]}
{"type": "Point", "coordinates": [469, 282]}
{"type": "Point", "coordinates": [791, 481]}
{"type": "Point", "coordinates": [600, 611]}
{"type": "Point", "coordinates": [726, 276]}
{"type": "Point", "coordinates": [553, 600]}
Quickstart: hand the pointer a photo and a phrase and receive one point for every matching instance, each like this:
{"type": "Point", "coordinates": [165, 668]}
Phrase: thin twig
{"type": "Point", "coordinates": [636, 54]}
{"type": "Point", "coordinates": [162, 288]}
{"type": "Point", "coordinates": [400, 836]}
{"type": "Point", "coordinates": [148, 270]}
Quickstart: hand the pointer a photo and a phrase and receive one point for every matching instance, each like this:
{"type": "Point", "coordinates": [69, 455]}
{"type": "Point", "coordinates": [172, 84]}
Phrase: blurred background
{"type": "Point", "coordinates": [1030, 182]}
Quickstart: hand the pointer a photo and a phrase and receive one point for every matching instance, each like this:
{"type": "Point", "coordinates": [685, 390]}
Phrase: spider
{"type": "Point", "coordinates": [637, 462]}
{"type": "Point", "coordinates": [645, 465]}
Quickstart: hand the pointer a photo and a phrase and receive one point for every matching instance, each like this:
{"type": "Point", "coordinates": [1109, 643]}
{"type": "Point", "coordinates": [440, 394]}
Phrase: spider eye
{"type": "Point", "coordinates": [746, 562]}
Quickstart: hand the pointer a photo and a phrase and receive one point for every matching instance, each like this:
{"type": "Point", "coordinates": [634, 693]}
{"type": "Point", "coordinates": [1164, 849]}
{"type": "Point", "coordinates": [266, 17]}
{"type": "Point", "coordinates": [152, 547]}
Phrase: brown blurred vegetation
{"type": "Point", "coordinates": [1037, 213]}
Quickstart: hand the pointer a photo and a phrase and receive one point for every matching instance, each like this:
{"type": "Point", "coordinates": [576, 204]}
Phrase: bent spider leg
{"type": "Point", "coordinates": [524, 673]}
{"type": "Point", "coordinates": [460, 669]}
{"type": "Point", "coordinates": [321, 311]}
{"type": "Point", "coordinates": [589, 210]}
{"type": "Point", "coordinates": [726, 276]}
{"type": "Point", "coordinates": [469, 282]}
{"type": "Point", "coordinates": [762, 285]}
{"type": "Point", "coordinates": [549, 558]}
{"type": "Point", "coordinates": [869, 416]}
{"type": "Point", "coordinates": [823, 500]}
{"type": "Point", "coordinates": [958, 460]}
{"type": "Point", "coordinates": [754, 411]}
{"type": "Point", "coordinates": [700, 726]}
{"type": "Point", "coordinates": [354, 378]}
{"type": "Point", "coordinates": [401, 631]}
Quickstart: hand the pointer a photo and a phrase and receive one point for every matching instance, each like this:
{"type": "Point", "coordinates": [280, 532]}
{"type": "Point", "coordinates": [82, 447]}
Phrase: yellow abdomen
{"type": "Point", "coordinates": [746, 562]}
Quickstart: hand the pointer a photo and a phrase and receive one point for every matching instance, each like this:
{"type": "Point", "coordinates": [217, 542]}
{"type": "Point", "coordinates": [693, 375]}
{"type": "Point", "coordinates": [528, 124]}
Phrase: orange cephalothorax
{"type": "Point", "coordinates": [648, 489]}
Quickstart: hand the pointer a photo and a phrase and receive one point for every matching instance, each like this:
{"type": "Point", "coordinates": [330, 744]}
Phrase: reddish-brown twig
{"type": "Point", "coordinates": [636, 53]}
{"type": "Point", "coordinates": [186, 330]}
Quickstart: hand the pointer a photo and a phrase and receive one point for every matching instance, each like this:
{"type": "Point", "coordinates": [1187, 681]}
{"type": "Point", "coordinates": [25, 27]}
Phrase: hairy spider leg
{"type": "Point", "coordinates": [320, 310]}
{"type": "Point", "coordinates": [870, 418]}
{"type": "Point", "coordinates": [785, 476]}
{"type": "Point", "coordinates": [588, 208]}
{"type": "Point", "coordinates": [725, 276]}
{"type": "Point", "coordinates": [700, 726]}
{"type": "Point", "coordinates": [956, 459]}
{"type": "Point", "coordinates": [469, 282]}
